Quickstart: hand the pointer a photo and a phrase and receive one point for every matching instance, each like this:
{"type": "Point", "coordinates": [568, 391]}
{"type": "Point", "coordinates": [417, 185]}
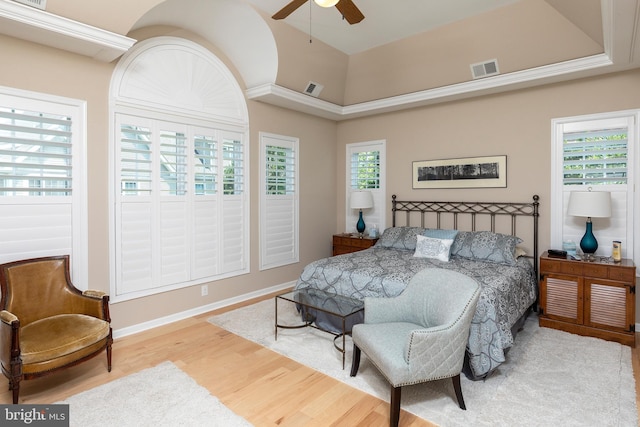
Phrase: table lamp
{"type": "Point", "coordinates": [361, 199]}
{"type": "Point", "coordinates": [589, 204]}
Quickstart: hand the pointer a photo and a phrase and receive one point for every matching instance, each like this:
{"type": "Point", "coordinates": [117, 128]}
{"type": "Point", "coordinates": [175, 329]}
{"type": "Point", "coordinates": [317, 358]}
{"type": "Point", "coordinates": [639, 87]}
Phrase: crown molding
{"type": "Point", "coordinates": [38, 26]}
{"type": "Point", "coordinates": [283, 97]}
{"type": "Point", "coordinates": [287, 98]}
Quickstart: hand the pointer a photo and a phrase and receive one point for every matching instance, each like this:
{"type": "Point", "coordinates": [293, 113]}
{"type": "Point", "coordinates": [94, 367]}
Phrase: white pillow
{"type": "Point", "coordinates": [429, 247]}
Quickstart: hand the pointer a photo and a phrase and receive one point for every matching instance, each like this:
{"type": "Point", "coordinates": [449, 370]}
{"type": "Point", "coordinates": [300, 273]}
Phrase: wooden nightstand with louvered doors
{"type": "Point", "coordinates": [589, 298]}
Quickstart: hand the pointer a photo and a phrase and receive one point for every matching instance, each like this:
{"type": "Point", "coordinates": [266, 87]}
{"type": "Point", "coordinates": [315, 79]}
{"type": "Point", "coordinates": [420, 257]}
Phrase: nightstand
{"type": "Point", "coordinates": [346, 243]}
{"type": "Point", "coordinates": [591, 298]}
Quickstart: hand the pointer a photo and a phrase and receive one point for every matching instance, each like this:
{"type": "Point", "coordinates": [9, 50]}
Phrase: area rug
{"type": "Point", "coordinates": [159, 396]}
{"type": "Point", "coordinates": [550, 377]}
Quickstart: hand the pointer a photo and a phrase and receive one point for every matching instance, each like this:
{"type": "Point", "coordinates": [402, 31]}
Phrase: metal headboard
{"type": "Point", "coordinates": [472, 210]}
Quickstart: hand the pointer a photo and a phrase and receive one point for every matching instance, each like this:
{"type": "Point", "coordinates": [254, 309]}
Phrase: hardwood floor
{"type": "Point", "coordinates": [263, 387]}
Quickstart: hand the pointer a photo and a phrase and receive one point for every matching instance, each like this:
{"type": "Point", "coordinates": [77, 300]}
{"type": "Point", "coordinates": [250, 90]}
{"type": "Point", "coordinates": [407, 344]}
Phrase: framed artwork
{"type": "Point", "coordinates": [468, 172]}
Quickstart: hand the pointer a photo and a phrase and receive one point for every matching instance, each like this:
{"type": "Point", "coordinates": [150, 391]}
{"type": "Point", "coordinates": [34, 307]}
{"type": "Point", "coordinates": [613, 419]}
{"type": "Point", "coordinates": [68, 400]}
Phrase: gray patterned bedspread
{"type": "Point", "coordinates": [507, 292]}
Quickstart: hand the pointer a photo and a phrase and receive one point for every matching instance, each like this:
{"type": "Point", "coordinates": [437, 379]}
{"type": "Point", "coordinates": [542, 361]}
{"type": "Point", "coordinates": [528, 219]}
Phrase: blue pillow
{"type": "Point", "coordinates": [437, 233]}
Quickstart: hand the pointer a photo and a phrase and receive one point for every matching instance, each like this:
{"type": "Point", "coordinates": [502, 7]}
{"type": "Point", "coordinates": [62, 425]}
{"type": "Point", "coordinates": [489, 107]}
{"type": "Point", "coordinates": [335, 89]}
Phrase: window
{"type": "Point", "coordinates": [366, 171]}
{"type": "Point", "coordinates": [135, 158]}
{"type": "Point", "coordinates": [595, 152]}
{"type": "Point", "coordinates": [233, 166]}
{"type": "Point", "coordinates": [173, 163]}
{"type": "Point", "coordinates": [595, 157]}
{"type": "Point", "coordinates": [170, 232]}
{"type": "Point", "coordinates": [42, 163]}
{"type": "Point", "coordinates": [278, 201]}
{"type": "Point", "coordinates": [206, 165]}
{"type": "Point", "coordinates": [179, 156]}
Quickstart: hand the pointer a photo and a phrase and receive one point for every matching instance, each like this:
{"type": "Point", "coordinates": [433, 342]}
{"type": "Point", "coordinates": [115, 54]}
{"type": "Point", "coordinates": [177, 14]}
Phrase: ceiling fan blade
{"type": "Point", "coordinates": [350, 11]}
{"type": "Point", "coordinates": [289, 9]}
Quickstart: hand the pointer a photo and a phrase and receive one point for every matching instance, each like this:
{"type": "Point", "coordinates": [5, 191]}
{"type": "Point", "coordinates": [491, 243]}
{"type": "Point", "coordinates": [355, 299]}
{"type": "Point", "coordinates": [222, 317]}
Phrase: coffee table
{"type": "Point", "coordinates": [309, 301]}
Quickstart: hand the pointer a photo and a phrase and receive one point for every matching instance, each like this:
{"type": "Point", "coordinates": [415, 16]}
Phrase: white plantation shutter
{"type": "Point", "coordinates": [234, 256]}
{"type": "Point", "coordinates": [42, 181]}
{"type": "Point", "coordinates": [205, 215]}
{"type": "Point", "coordinates": [135, 239]}
{"type": "Point", "coordinates": [177, 222]}
{"type": "Point", "coordinates": [279, 196]}
{"type": "Point", "coordinates": [135, 210]}
{"type": "Point", "coordinates": [135, 159]}
{"type": "Point", "coordinates": [173, 162]}
{"type": "Point", "coordinates": [205, 164]}
{"type": "Point", "coordinates": [234, 210]}
{"type": "Point", "coordinates": [175, 242]}
{"type": "Point", "coordinates": [597, 156]}
{"type": "Point", "coordinates": [206, 240]}
{"type": "Point", "coordinates": [174, 205]}
{"type": "Point", "coordinates": [36, 153]}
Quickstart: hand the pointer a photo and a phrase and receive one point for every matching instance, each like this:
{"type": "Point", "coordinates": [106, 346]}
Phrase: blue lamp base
{"type": "Point", "coordinates": [589, 244]}
{"type": "Point", "coordinates": [360, 225]}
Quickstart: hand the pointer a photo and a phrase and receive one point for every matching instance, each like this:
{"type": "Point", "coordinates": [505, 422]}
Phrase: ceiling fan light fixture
{"type": "Point", "coordinates": [326, 3]}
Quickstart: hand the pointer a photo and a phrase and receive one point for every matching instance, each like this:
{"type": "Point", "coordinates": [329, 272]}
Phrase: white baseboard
{"type": "Point", "coordinates": [140, 327]}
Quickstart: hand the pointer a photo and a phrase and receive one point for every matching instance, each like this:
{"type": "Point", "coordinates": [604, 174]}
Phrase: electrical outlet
{"type": "Point", "coordinates": [204, 290]}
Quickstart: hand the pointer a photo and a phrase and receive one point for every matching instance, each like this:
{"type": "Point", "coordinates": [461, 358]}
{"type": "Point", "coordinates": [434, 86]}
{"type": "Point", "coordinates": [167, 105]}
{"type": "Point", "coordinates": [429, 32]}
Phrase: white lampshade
{"type": "Point", "coordinates": [594, 204]}
{"type": "Point", "coordinates": [361, 199]}
{"type": "Point", "coordinates": [326, 3]}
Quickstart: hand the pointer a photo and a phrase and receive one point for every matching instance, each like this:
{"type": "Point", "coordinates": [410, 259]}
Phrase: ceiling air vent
{"type": "Point", "coordinates": [39, 4]}
{"type": "Point", "coordinates": [313, 89]}
{"type": "Point", "coordinates": [485, 69]}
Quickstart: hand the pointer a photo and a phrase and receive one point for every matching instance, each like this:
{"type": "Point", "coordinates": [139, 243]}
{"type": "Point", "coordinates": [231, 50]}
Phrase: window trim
{"type": "Point", "coordinates": [379, 195]}
{"type": "Point", "coordinates": [557, 202]}
{"type": "Point", "coordinates": [79, 198]}
{"type": "Point", "coordinates": [266, 139]}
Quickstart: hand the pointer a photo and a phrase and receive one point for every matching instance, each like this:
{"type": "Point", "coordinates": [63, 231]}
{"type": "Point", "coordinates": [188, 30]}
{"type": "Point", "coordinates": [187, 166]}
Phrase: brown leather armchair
{"type": "Point", "coordinates": [46, 324]}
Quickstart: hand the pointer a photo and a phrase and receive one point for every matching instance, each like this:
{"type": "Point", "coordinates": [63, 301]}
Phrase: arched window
{"type": "Point", "coordinates": [180, 171]}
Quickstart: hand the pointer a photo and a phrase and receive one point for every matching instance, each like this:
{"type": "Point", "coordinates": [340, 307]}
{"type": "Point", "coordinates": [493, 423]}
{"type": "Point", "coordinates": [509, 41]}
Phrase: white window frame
{"type": "Point", "coordinates": [378, 214]}
{"type": "Point", "coordinates": [625, 201]}
{"type": "Point", "coordinates": [75, 244]}
{"type": "Point", "coordinates": [279, 214]}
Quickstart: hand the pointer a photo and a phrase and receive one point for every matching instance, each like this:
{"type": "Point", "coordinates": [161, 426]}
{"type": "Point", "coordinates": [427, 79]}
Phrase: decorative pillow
{"type": "Point", "coordinates": [400, 238]}
{"type": "Point", "coordinates": [519, 252]}
{"type": "Point", "coordinates": [437, 233]}
{"type": "Point", "coordinates": [485, 246]}
{"type": "Point", "coordinates": [429, 247]}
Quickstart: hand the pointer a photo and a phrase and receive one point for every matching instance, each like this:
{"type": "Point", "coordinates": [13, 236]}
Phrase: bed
{"type": "Point", "coordinates": [484, 240]}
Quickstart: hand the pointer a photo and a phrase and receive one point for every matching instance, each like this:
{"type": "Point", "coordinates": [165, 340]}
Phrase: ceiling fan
{"type": "Point", "coordinates": [347, 8]}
